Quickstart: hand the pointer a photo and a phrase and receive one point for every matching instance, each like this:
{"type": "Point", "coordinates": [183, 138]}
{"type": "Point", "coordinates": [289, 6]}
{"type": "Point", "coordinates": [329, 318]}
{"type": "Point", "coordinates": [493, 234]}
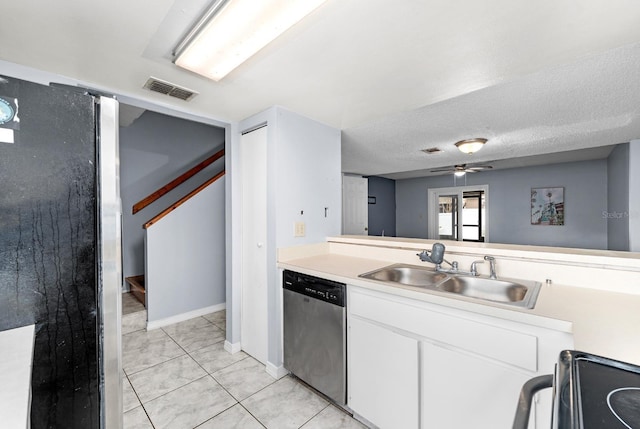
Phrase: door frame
{"type": "Point", "coordinates": [432, 208]}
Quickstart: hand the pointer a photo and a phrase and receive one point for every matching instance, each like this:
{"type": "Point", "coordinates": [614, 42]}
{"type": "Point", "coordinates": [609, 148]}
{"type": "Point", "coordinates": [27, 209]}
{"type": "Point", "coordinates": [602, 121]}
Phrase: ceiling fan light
{"type": "Point", "coordinates": [470, 146]}
{"type": "Point", "coordinates": [460, 173]}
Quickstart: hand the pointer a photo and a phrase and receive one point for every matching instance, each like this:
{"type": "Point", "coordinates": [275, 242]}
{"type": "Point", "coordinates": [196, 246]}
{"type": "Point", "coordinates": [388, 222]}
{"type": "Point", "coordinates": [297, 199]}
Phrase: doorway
{"type": "Point", "coordinates": [459, 214]}
{"type": "Point", "coordinates": [355, 210]}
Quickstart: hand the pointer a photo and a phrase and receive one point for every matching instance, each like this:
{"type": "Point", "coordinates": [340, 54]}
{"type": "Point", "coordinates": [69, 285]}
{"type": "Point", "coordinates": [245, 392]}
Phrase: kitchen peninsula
{"type": "Point", "coordinates": [433, 352]}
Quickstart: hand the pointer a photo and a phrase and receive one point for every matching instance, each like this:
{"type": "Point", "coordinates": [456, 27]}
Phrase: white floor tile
{"type": "Point", "coordinates": [134, 322]}
{"type": "Point", "coordinates": [235, 417]}
{"type": "Point", "coordinates": [334, 418]}
{"type": "Point", "coordinates": [285, 404]}
{"type": "Point", "coordinates": [144, 349]}
{"type": "Point", "coordinates": [165, 377]}
{"type": "Point", "coordinates": [129, 397]}
{"type": "Point", "coordinates": [244, 378]}
{"type": "Point", "coordinates": [190, 405]}
{"type": "Point", "coordinates": [214, 357]}
{"type": "Point", "coordinates": [217, 318]}
{"type": "Point", "coordinates": [136, 419]}
{"type": "Point", "coordinates": [195, 334]}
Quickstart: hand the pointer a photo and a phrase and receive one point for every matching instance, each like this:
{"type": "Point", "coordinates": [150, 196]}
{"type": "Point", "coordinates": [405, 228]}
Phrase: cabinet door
{"type": "Point", "coordinates": [463, 390]}
{"type": "Point", "coordinates": [383, 375]}
{"type": "Point", "coordinates": [254, 296]}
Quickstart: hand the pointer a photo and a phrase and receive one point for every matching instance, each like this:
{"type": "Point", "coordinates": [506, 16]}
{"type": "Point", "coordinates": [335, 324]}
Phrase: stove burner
{"type": "Point", "coordinates": [623, 403]}
{"type": "Point", "coordinates": [608, 395]}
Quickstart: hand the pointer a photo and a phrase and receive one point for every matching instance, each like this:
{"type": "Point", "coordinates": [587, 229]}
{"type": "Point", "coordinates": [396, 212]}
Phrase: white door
{"type": "Point", "coordinates": [253, 311]}
{"type": "Point", "coordinates": [355, 210]}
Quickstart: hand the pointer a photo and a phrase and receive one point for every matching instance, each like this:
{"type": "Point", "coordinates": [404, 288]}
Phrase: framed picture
{"type": "Point", "coordinates": [547, 206]}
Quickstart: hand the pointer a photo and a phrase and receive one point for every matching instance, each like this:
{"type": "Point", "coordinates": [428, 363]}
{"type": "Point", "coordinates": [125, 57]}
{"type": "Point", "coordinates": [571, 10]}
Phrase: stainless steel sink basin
{"type": "Point", "coordinates": [407, 275]}
{"type": "Point", "coordinates": [520, 293]}
{"type": "Point", "coordinates": [505, 291]}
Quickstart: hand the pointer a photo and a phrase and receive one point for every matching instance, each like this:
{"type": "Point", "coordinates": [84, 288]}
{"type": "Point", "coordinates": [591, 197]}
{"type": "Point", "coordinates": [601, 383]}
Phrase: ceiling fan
{"type": "Point", "coordinates": [460, 169]}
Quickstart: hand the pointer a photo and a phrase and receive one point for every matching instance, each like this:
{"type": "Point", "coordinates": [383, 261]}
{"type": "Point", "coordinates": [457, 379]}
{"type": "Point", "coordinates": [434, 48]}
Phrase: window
{"type": "Point", "coordinates": [449, 219]}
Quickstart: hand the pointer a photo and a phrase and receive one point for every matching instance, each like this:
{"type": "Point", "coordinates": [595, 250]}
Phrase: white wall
{"type": "Point", "coordinates": [308, 179]}
{"type": "Point", "coordinates": [303, 175]}
{"type": "Point", "coordinates": [185, 258]}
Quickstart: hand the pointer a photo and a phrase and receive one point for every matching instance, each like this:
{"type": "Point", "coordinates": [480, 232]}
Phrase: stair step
{"type": "Point", "coordinates": [136, 285]}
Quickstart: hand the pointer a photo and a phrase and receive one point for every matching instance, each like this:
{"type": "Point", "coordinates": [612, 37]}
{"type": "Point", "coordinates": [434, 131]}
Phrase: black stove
{"type": "Point", "coordinates": [594, 392]}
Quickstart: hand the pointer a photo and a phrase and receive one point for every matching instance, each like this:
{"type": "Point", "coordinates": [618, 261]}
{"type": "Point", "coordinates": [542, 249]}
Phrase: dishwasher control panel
{"type": "Point", "coordinates": [315, 287]}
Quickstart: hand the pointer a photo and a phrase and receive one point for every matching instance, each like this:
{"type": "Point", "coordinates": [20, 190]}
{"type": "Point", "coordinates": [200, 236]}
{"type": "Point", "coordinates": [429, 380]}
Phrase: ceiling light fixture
{"type": "Point", "coordinates": [460, 173]}
{"type": "Point", "coordinates": [231, 31]}
{"type": "Point", "coordinates": [471, 145]}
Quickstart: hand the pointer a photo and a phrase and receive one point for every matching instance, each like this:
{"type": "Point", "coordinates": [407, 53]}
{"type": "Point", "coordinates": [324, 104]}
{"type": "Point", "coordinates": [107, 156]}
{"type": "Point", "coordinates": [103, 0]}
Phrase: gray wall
{"type": "Point", "coordinates": [382, 214]}
{"type": "Point", "coordinates": [186, 258]}
{"type": "Point", "coordinates": [617, 213]}
{"type": "Point", "coordinates": [585, 186]}
{"type": "Point", "coordinates": [634, 195]}
{"type": "Point", "coordinates": [154, 150]}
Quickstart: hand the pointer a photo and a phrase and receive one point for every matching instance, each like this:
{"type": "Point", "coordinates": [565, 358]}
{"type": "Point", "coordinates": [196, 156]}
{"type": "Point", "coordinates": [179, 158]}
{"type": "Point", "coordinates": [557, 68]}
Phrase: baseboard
{"type": "Point", "coordinates": [362, 420]}
{"type": "Point", "coordinates": [276, 372]}
{"type": "Point", "coordinates": [155, 324]}
{"type": "Point", "coordinates": [232, 347]}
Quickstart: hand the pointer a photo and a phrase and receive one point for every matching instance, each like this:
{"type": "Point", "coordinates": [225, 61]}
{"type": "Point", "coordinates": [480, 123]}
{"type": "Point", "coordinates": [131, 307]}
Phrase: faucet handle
{"type": "Point", "coordinates": [492, 266]}
{"type": "Point", "coordinates": [474, 268]}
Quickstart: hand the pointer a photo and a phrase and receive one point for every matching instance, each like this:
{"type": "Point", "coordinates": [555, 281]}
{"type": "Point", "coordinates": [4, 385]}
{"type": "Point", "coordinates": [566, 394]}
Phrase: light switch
{"type": "Point", "coordinates": [299, 229]}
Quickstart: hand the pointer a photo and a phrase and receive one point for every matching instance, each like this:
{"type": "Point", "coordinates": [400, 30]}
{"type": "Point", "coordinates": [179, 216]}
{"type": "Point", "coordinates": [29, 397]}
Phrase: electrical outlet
{"type": "Point", "coordinates": [299, 229]}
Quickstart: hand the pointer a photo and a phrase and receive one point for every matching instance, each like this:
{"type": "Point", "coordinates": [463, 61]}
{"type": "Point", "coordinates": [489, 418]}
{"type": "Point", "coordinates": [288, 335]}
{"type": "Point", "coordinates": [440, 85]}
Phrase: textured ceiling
{"type": "Point", "coordinates": [589, 103]}
{"type": "Point", "coordinates": [395, 76]}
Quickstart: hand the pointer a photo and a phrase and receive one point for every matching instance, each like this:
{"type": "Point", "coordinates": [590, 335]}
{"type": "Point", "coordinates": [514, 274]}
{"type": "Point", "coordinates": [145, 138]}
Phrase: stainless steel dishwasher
{"type": "Point", "coordinates": [315, 339]}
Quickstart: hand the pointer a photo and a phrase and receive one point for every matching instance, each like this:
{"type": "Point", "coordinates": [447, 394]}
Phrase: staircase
{"type": "Point", "coordinates": [136, 287]}
{"type": "Point", "coordinates": [137, 283]}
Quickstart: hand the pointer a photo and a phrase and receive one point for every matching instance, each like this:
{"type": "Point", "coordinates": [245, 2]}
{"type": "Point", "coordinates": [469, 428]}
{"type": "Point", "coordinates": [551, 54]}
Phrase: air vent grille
{"type": "Point", "coordinates": [432, 150]}
{"type": "Point", "coordinates": [168, 88]}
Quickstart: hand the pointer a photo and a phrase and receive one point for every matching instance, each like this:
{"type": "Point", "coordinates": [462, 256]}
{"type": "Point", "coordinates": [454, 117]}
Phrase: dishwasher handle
{"type": "Point", "coordinates": [530, 388]}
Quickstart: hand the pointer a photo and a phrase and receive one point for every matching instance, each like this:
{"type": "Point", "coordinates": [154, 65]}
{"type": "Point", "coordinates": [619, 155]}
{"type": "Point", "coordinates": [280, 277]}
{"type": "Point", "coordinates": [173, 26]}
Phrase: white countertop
{"type": "Point", "coordinates": [602, 322]}
{"type": "Point", "coordinates": [16, 360]}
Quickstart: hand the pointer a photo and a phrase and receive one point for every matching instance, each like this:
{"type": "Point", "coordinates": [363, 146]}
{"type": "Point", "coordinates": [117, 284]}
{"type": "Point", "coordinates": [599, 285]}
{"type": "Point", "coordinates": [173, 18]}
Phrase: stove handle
{"type": "Point", "coordinates": [530, 388]}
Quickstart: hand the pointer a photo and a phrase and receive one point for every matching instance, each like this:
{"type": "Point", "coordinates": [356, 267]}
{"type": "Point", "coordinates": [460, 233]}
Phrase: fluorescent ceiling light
{"type": "Point", "coordinates": [233, 30]}
{"type": "Point", "coordinates": [471, 145]}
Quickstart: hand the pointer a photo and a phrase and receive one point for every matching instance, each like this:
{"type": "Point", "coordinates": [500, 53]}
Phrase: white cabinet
{"type": "Point", "coordinates": [463, 390]}
{"type": "Point", "coordinates": [465, 368]}
{"type": "Point", "coordinates": [383, 382]}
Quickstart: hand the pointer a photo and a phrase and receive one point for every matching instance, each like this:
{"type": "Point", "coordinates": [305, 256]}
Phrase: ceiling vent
{"type": "Point", "coordinates": [431, 150]}
{"type": "Point", "coordinates": [167, 88]}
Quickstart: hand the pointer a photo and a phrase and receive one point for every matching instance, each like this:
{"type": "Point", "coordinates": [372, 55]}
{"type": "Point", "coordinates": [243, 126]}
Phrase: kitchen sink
{"type": "Point", "coordinates": [520, 293]}
{"type": "Point", "coordinates": [409, 275]}
{"type": "Point", "coordinates": [505, 291]}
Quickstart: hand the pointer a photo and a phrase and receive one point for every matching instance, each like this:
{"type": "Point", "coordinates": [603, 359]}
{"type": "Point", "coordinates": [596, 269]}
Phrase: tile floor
{"type": "Point", "coordinates": [181, 377]}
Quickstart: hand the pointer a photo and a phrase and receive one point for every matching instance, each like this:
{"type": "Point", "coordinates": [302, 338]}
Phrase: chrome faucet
{"type": "Point", "coordinates": [474, 268]}
{"type": "Point", "coordinates": [436, 257]}
{"type": "Point", "coordinates": [492, 266]}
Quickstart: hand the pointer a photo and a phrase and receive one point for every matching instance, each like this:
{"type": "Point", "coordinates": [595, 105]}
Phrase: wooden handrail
{"type": "Point", "coordinates": [175, 182]}
{"type": "Point", "coordinates": [182, 200]}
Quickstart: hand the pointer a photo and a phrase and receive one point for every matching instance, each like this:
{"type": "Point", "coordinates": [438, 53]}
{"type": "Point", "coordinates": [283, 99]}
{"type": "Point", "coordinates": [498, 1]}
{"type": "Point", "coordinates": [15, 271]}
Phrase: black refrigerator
{"type": "Point", "coordinates": [49, 246]}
